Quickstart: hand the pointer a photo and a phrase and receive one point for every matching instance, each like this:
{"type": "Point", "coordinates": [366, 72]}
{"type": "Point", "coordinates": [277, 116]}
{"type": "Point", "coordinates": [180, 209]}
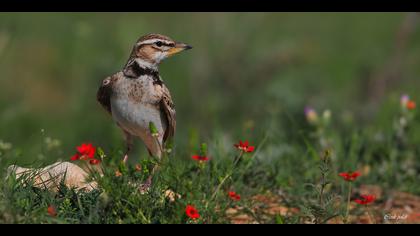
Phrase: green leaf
{"type": "Point", "coordinates": [152, 128]}
{"type": "Point", "coordinates": [279, 219]}
{"type": "Point", "coordinates": [203, 149]}
{"type": "Point", "coordinates": [100, 152]}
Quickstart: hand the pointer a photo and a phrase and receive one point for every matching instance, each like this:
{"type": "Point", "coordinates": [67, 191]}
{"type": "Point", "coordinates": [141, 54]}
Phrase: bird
{"type": "Point", "coordinates": [137, 96]}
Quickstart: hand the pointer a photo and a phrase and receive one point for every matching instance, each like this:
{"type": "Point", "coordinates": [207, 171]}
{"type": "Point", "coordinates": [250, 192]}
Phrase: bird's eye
{"type": "Point", "coordinates": [106, 82]}
{"type": "Point", "coordinates": [158, 43]}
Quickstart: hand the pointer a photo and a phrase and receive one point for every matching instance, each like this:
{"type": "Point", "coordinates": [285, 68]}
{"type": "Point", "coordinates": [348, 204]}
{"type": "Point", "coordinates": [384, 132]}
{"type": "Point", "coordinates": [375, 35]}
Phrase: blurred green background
{"type": "Point", "coordinates": [248, 74]}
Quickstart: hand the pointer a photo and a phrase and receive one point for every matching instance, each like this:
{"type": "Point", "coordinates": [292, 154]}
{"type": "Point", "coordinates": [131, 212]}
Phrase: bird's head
{"type": "Point", "coordinates": [151, 49]}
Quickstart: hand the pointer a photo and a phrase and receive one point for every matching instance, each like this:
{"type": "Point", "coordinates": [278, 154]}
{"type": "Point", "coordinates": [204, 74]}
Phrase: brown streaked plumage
{"type": "Point", "coordinates": [137, 95]}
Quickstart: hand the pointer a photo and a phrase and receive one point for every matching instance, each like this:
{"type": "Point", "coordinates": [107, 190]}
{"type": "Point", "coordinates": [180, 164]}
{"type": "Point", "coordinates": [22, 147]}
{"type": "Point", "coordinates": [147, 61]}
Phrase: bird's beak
{"type": "Point", "coordinates": [179, 47]}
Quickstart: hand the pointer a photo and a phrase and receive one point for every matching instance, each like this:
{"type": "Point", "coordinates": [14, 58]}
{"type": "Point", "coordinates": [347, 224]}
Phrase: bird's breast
{"type": "Point", "coordinates": [141, 90]}
{"type": "Point", "coordinates": [135, 103]}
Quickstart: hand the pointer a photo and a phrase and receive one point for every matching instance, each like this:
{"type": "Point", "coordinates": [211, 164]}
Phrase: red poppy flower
{"type": "Point", "coordinates": [348, 176]}
{"type": "Point", "coordinates": [200, 158]}
{"type": "Point", "coordinates": [84, 151]}
{"type": "Point", "coordinates": [51, 211]}
{"type": "Point", "coordinates": [411, 105]}
{"type": "Point", "coordinates": [244, 146]}
{"type": "Point", "coordinates": [234, 196]}
{"type": "Point", "coordinates": [192, 212]}
{"type": "Point", "coordinates": [94, 161]}
{"type": "Point", "coordinates": [366, 199]}
{"type": "Point", "coordinates": [87, 149]}
{"type": "Point", "coordinates": [75, 157]}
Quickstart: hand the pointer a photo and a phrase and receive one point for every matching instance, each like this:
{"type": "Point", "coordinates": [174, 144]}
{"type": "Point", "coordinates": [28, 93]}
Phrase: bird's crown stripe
{"type": "Point", "coordinates": [151, 41]}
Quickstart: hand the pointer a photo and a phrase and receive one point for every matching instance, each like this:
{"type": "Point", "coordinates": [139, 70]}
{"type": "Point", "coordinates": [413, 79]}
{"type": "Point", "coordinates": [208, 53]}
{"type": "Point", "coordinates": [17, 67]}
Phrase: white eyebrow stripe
{"type": "Point", "coordinates": [151, 41]}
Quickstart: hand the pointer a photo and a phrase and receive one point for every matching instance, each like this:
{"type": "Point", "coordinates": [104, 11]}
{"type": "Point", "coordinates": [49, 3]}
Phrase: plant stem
{"type": "Point", "coordinates": [213, 196]}
{"type": "Point", "coordinates": [157, 159]}
{"type": "Point", "coordinates": [235, 163]}
{"type": "Point", "coordinates": [371, 219]}
{"type": "Point", "coordinates": [348, 203]}
{"type": "Point", "coordinates": [324, 167]}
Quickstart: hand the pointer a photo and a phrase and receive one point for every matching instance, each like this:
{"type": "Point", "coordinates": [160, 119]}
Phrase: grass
{"type": "Point", "coordinates": [118, 201]}
{"type": "Point", "coordinates": [296, 167]}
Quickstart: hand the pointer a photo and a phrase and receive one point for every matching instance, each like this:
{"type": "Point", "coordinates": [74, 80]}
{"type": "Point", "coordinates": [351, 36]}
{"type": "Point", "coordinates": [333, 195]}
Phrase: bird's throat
{"type": "Point", "coordinates": [137, 68]}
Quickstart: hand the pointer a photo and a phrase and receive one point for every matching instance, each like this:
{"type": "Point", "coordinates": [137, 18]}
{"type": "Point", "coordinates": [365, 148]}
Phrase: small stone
{"type": "Point", "coordinates": [51, 176]}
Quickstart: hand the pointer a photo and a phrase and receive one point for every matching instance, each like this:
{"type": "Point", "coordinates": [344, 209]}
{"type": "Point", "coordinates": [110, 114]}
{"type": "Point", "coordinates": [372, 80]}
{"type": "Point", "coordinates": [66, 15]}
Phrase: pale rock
{"type": "Point", "coordinates": [51, 176]}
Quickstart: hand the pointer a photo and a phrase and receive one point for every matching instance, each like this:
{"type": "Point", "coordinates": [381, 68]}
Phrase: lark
{"type": "Point", "coordinates": [137, 96]}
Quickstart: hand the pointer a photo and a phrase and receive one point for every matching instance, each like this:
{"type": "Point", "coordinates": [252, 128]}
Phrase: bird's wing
{"type": "Point", "coordinates": [103, 96]}
{"type": "Point", "coordinates": [168, 107]}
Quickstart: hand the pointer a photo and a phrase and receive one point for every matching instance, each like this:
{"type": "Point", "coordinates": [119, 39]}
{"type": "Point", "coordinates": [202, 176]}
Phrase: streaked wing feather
{"type": "Point", "coordinates": [168, 107]}
{"type": "Point", "coordinates": [103, 96]}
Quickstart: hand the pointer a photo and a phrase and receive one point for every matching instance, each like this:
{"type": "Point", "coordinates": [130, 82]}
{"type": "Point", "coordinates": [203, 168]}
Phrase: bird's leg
{"type": "Point", "coordinates": [129, 143]}
{"type": "Point", "coordinates": [144, 187]}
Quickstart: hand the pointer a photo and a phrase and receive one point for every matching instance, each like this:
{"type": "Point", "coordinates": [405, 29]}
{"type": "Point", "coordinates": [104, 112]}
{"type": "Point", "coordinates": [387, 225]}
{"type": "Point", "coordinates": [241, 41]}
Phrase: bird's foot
{"type": "Point", "coordinates": [145, 187]}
